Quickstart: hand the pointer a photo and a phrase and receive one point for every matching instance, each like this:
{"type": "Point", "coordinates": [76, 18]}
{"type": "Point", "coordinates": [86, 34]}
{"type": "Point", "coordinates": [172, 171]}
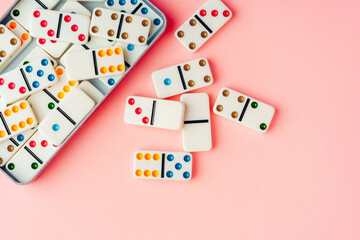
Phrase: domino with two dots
{"type": "Point", "coordinates": [26, 80]}
{"type": "Point", "coordinates": [15, 119]}
{"type": "Point", "coordinates": [119, 26]}
{"type": "Point", "coordinates": [152, 112]}
{"type": "Point", "coordinates": [242, 109]}
{"type": "Point", "coordinates": [163, 165]}
{"type": "Point", "coordinates": [197, 128]}
{"type": "Point", "coordinates": [9, 45]}
{"type": "Point", "coordinates": [182, 78]}
{"type": "Point", "coordinates": [63, 119]}
{"type": "Point", "coordinates": [206, 21]}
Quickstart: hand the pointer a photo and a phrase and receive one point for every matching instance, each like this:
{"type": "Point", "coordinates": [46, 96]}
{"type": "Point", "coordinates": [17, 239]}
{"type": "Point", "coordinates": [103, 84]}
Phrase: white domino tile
{"type": "Point", "coordinates": [91, 91]}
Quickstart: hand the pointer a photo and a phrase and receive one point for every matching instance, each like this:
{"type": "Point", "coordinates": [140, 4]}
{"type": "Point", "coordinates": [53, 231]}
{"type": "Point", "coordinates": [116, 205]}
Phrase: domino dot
{"type": "Point", "coordinates": [207, 79]}
{"type": "Point", "coordinates": [120, 67]}
{"type": "Point", "coordinates": [191, 83]}
{"type": "Point", "coordinates": [118, 51]}
{"type": "Point", "coordinates": [110, 3]}
{"type": "Point", "coordinates": [2, 30]}
{"type": "Point", "coordinates": [98, 13]}
{"type": "Point", "coordinates": [145, 120]}
{"type": "Point", "coordinates": [147, 173]}
{"type": "Point", "coordinates": [67, 18]}
{"type": "Point", "coordinates": [29, 121]}
{"type": "Point", "coordinates": [1, 160]}
{"type": "Point", "coordinates": [74, 28]}
{"type": "Point", "coordinates": [36, 84]}
{"type": "Point", "coordinates": [180, 34]}
{"type": "Point", "coordinates": [155, 173]}
{"type": "Point", "coordinates": [234, 114]}
{"type": "Point", "coordinates": [263, 126]}
{"type": "Point", "coordinates": [23, 105]}
{"type": "Point", "coordinates": [43, 23]}
{"type": "Point", "coordinates": [25, 36]}
{"type": "Point", "coordinates": [128, 19]}
{"type": "Point", "coordinates": [138, 172]}
{"type": "Point", "coordinates": [131, 101]}
{"type": "Point", "coordinates": [101, 53]}
{"type": "Point", "coordinates": [82, 37]}
{"type": "Point", "coordinates": [112, 69]}
{"type": "Point", "coordinates": [109, 52]}
{"type": "Point", "coordinates": [72, 83]}
{"type": "Point", "coordinates": [12, 25]}
{"type": "Point", "coordinates": [2, 54]}
{"type": "Point", "coordinates": [15, 109]}
{"type": "Point", "coordinates": [40, 73]}
{"type": "Point", "coordinates": [169, 174]}
{"type": "Point", "coordinates": [241, 99]}
{"type": "Point", "coordinates": [103, 70]}
{"type": "Point", "coordinates": [178, 166]}
{"type": "Point", "coordinates": [66, 89]}
{"type": "Point", "coordinates": [170, 157]}
{"type": "Point", "coordinates": [95, 29]}
{"type": "Point", "coordinates": [44, 143]}
{"type": "Point", "coordinates": [192, 22]}
{"type": "Point", "coordinates": [144, 11]}
{"type": "Point", "coordinates": [51, 106]}
{"type": "Point", "coordinates": [186, 175]}
{"type": "Point", "coordinates": [42, 41]}
{"type": "Point", "coordinates": [32, 144]}
{"type": "Point", "coordinates": [11, 85]}
{"type": "Point", "coordinates": [26, 62]}
{"type": "Point", "coordinates": [157, 21]}
{"type": "Point", "coordinates": [20, 137]}
{"type": "Point", "coordinates": [7, 113]}
{"type": "Point", "coordinates": [61, 95]}
{"type": "Point", "coordinates": [34, 165]}
{"type": "Point", "coordinates": [22, 124]}
{"type": "Point", "coordinates": [192, 46]}
{"type": "Point", "coordinates": [51, 33]}
{"type": "Point", "coordinates": [10, 148]}
{"type": "Point", "coordinates": [56, 127]}
{"type": "Point", "coordinates": [59, 71]}
{"type": "Point", "coordinates": [122, 2]}
{"type": "Point", "coordinates": [130, 47]}
{"type": "Point", "coordinates": [2, 134]}
{"type": "Point", "coordinates": [203, 13]}
{"type": "Point", "coordinates": [16, 13]}
{"type": "Point", "coordinates": [187, 158]}
{"type": "Point", "coordinates": [44, 62]}
{"type": "Point", "coordinates": [156, 157]}
{"type": "Point", "coordinates": [114, 16]}
{"type": "Point", "coordinates": [214, 13]}
{"type": "Point", "coordinates": [145, 23]}
{"type": "Point", "coordinates": [186, 67]}
{"type": "Point", "coordinates": [226, 13]}
{"type": "Point", "coordinates": [124, 35]}
{"type": "Point", "coordinates": [141, 39]}
{"type": "Point", "coordinates": [13, 41]}
{"type": "Point", "coordinates": [2, 81]}
{"type": "Point", "coordinates": [11, 166]}
{"type": "Point", "coordinates": [51, 77]}
{"type": "Point", "coordinates": [111, 81]}
{"type": "Point", "coordinates": [36, 14]}
{"type": "Point", "coordinates": [52, 41]}
{"type": "Point", "coordinates": [14, 128]}
{"type": "Point", "coordinates": [139, 156]}
{"type": "Point", "coordinates": [204, 34]}
{"type": "Point", "coordinates": [29, 69]}
{"type": "Point", "coordinates": [22, 90]}
{"type": "Point", "coordinates": [133, 2]}
{"type": "Point", "coordinates": [167, 81]}
{"type": "Point", "coordinates": [254, 104]}
{"type": "Point", "coordinates": [226, 93]}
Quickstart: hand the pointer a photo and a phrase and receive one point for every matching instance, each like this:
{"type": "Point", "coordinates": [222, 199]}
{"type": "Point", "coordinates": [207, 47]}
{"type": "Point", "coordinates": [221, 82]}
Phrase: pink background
{"type": "Point", "coordinates": [298, 181]}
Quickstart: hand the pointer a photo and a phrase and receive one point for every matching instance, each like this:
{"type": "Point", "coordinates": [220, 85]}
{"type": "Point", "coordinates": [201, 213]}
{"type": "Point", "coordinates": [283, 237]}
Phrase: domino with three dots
{"type": "Point", "coordinates": [163, 165]}
{"type": "Point", "coordinates": [9, 44]}
{"type": "Point", "coordinates": [244, 110]}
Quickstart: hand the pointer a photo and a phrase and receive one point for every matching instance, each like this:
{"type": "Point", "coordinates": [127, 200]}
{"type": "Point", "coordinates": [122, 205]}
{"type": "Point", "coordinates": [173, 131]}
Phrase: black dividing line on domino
{"type": "Point", "coordinates": [95, 63]}
{"type": "Point", "coordinates": [203, 23]}
{"type": "Point", "coordinates": [153, 113]}
{"type": "Point", "coordinates": [66, 116]}
{"type": "Point", "coordinates": [162, 165]}
{"type": "Point", "coordinates": [244, 109]}
{"type": "Point", "coordinates": [120, 26]}
{"type": "Point", "coordinates": [85, 46]}
{"type": "Point", "coordinates": [14, 142]}
{"type": "Point", "coordinates": [33, 154]}
{"type": "Point", "coordinates": [5, 124]}
{"type": "Point", "coordinates": [59, 25]}
{"type": "Point", "coordinates": [182, 77]}
{"type": "Point", "coordinates": [41, 4]}
{"type": "Point", "coordinates": [137, 8]}
{"type": "Point", "coordinates": [25, 79]}
{"type": "Point", "coordinates": [127, 65]}
{"type": "Point", "coordinates": [196, 121]}
{"type": "Point", "coordinates": [51, 96]}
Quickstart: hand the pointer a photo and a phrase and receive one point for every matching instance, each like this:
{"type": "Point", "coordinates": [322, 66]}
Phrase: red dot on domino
{"type": "Point", "coordinates": [203, 13]}
{"type": "Point", "coordinates": [131, 101]}
{"type": "Point", "coordinates": [36, 14]}
{"type": "Point", "coordinates": [138, 111]}
{"type": "Point", "coordinates": [43, 23]}
{"type": "Point", "coordinates": [74, 28]}
{"type": "Point", "coordinates": [44, 143]}
{"type": "Point", "coordinates": [32, 144]}
{"type": "Point", "coordinates": [214, 13]}
{"type": "Point", "coordinates": [145, 120]}
{"type": "Point", "coordinates": [67, 18]}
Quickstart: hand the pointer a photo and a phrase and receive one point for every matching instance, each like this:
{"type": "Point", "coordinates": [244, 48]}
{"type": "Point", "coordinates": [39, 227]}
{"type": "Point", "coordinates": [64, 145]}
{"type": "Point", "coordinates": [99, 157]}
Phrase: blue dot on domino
{"type": "Point", "coordinates": [123, 11]}
{"type": "Point", "coordinates": [144, 10]}
{"type": "Point", "coordinates": [20, 137]}
{"type": "Point", "coordinates": [187, 158]}
{"type": "Point", "coordinates": [178, 166]}
{"type": "Point", "coordinates": [56, 127]}
{"type": "Point", "coordinates": [51, 77]}
{"type": "Point", "coordinates": [29, 69]}
{"type": "Point", "coordinates": [44, 62]}
{"type": "Point", "coordinates": [169, 174]}
{"type": "Point", "coordinates": [170, 157]}
{"type": "Point", "coordinates": [133, 2]}
{"type": "Point", "coordinates": [111, 81]}
{"type": "Point", "coordinates": [40, 73]}
{"type": "Point", "coordinates": [167, 81]}
{"type": "Point", "coordinates": [36, 84]}
{"type": "Point", "coordinates": [110, 2]}
{"type": "Point", "coordinates": [186, 175]}
{"type": "Point", "coordinates": [156, 21]}
{"type": "Point", "coordinates": [122, 2]}
{"type": "Point", "coordinates": [130, 47]}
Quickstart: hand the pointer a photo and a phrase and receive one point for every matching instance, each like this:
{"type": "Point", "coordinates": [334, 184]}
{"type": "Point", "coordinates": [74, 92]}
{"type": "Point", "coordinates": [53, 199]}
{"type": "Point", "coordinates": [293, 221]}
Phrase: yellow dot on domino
{"type": "Point", "coordinates": [147, 173]}
{"type": "Point", "coordinates": [103, 70]}
{"type": "Point", "coordinates": [138, 172]}
{"type": "Point", "coordinates": [118, 51]}
{"type": "Point", "coordinates": [148, 156]}
{"type": "Point", "coordinates": [15, 109]}
{"type": "Point", "coordinates": [29, 121]}
{"type": "Point", "coordinates": [66, 89]}
{"type": "Point", "coordinates": [156, 157]}
{"type": "Point", "coordinates": [14, 128]}
{"type": "Point", "coordinates": [72, 83]}
{"type": "Point", "coordinates": [7, 112]}
{"type": "Point", "coordinates": [61, 95]}
{"type": "Point", "coordinates": [101, 53]}
{"type": "Point", "coordinates": [155, 173]}
{"type": "Point", "coordinates": [120, 68]}
{"type": "Point", "coordinates": [109, 52]}
{"type": "Point", "coordinates": [139, 156]}
{"type": "Point", "coordinates": [23, 105]}
{"type": "Point", "coordinates": [2, 134]}
{"type": "Point", "coordinates": [112, 69]}
{"type": "Point", "coordinates": [22, 124]}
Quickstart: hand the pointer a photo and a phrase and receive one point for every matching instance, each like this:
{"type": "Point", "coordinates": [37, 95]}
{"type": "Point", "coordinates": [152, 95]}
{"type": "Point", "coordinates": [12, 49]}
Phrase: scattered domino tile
{"type": "Point", "coordinates": [49, 98]}
{"type": "Point", "coordinates": [140, 8]}
{"type": "Point", "coordinates": [244, 110]}
{"type": "Point", "coordinates": [91, 91]}
{"type": "Point", "coordinates": [197, 128]}
{"type": "Point", "coordinates": [60, 26]}
{"type": "Point", "coordinates": [24, 37]}
{"type": "Point", "coordinates": [55, 48]}
{"type": "Point", "coordinates": [36, 53]}
{"type": "Point", "coordinates": [119, 26]}
{"type": "Point", "coordinates": [206, 21]}
{"type": "Point", "coordinates": [182, 78]}
{"type": "Point", "coordinates": [16, 119]}
{"type": "Point", "coordinates": [163, 165]}
{"type": "Point", "coordinates": [152, 112]}
{"type": "Point", "coordinates": [24, 9]}
{"type": "Point", "coordinates": [26, 80]}
{"type": "Point", "coordinates": [9, 147]}
{"type": "Point", "coordinates": [9, 44]}
{"type": "Point", "coordinates": [89, 64]}
{"type": "Point", "coordinates": [61, 121]}
{"type": "Point", "coordinates": [32, 157]}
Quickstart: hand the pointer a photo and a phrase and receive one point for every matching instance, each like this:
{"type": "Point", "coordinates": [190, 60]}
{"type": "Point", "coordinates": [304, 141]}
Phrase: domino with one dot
{"type": "Point", "coordinates": [163, 165]}
{"type": "Point", "coordinates": [9, 44]}
{"type": "Point", "coordinates": [182, 78]}
{"type": "Point", "coordinates": [152, 112]}
{"type": "Point", "coordinates": [206, 21]}
{"type": "Point", "coordinates": [244, 110]}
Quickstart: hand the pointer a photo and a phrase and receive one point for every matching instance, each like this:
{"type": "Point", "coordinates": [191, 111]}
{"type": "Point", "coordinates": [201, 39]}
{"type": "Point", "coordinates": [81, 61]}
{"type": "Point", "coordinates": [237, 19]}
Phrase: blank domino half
{"type": "Point", "coordinates": [89, 64]}
{"type": "Point", "coordinates": [62, 120]}
{"type": "Point", "coordinates": [206, 21]}
{"type": "Point", "coordinates": [26, 80]}
{"type": "Point", "coordinates": [182, 78]}
{"type": "Point", "coordinates": [244, 110]}
{"type": "Point", "coordinates": [32, 157]}
{"type": "Point", "coordinates": [91, 91]}
{"type": "Point", "coordinates": [15, 119]}
{"type": "Point", "coordinates": [119, 26]}
{"type": "Point", "coordinates": [163, 165]}
{"type": "Point", "coordinates": [152, 112]}
{"type": "Point", "coordinates": [9, 44]}
{"type": "Point", "coordinates": [60, 26]}
{"type": "Point", "coordinates": [197, 128]}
